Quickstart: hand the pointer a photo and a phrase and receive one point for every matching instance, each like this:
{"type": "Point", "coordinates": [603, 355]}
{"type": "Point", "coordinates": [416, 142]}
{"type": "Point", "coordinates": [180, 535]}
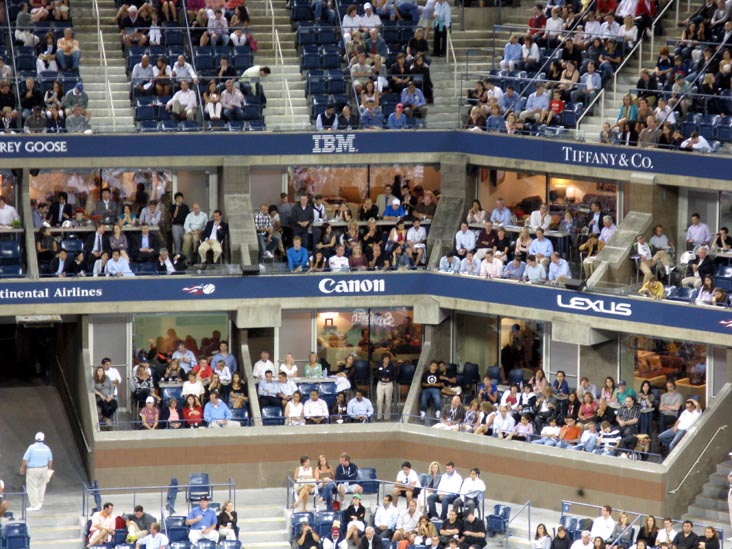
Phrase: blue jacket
{"type": "Point", "coordinates": [297, 258]}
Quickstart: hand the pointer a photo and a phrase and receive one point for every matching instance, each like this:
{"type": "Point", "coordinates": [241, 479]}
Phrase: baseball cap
{"type": "Point", "coordinates": [203, 498]}
{"type": "Point", "coordinates": [40, 437]}
{"type": "Point", "coordinates": [367, 6]}
{"type": "Point", "coordinates": [395, 202]}
{"type": "Point", "coordinates": [149, 400]}
{"type": "Point", "coordinates": [400, 106]}
{"type": "Point", "coordinates": [132, 8]}
{"type": "Point", "coordinates": [79, 86]}
{"type": "Point", "coordinates": [356, 496]}
{"type": "Point", "coordinates": [621, 382]}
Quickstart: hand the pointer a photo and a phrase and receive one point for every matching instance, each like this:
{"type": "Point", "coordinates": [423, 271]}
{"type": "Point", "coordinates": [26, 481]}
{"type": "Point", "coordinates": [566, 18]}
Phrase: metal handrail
{"type": "Point", "coordinates": [191, 43]}
{"type": "Point", "coordinates": [656, 20]}
{"type": "Point", "coordinates": [587, 109]}
{"type": "Point", "coordinates": [19, 121]}
{"type": "Point", "coordinates": [698, 459]}
{"type": "Point", "coordinates": [526, 506]}
{"type": "Point", "coordinates": [638, 47]}
{"type": "Point", "coordinates": [279, 57]}
{"type": "Point", "coordinates": [103, 61]}
{"type": "Point", "coordinates": [73, 406]}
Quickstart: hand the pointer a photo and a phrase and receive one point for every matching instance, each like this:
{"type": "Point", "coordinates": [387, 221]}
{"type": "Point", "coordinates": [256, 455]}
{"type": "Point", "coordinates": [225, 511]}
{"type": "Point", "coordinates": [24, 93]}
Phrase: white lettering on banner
{"type": "Point", "coordinates": [45, 293]}
{"type": "Point", "coordinates": [334, 143]}
{"type": "Point", "coordinates": [606, 159]}
{"type": "Point", "coordinates": [596, 305]}
{"type": "Point", "coordinates": [33, 147]}
{"type": "Point", "coordinates": [365, 286]}
{"type": "Point", "coordinates": [361, 316]}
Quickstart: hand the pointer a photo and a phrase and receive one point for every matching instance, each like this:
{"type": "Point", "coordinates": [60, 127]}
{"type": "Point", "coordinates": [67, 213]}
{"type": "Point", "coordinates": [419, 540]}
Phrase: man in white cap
{"type": "Point", "coordinates": [369, 19]}
{"type": "Point", "coordinates": [37, 466]}
{"type": "Point", "coordinates": [394, 210]}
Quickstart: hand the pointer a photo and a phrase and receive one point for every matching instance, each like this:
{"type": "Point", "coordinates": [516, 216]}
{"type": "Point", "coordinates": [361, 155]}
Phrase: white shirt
{"type": "Point", "coordinates": [465, 240]}
{"type": "Point", "coordinates": [114, 377]}
{"type": "Point", "coordinates": [187, 99]}
{"type": "Point", "coordinates": [417, 237]}
{"type": "Point", "coordinates": [665, 537]}
{"type": "Point", "coordinates": [408, 522]}
{"type": "Point", "coordinates": [537, 221]}
{"type": "Point", "coordinates": [338, 264]}
{"type": "Point", "coordinates": [412, 479]}
{"type": "Point", "coordinates": [492, 269]}
{"type": "Point", "coordinates": [195, 222]}
{"type": "Point", "coordinates": [316, 408]}
{"type": "Point", "coordinates": [155, 542]}
{"type": "Point", "coordinates": [260, 367]}
{"type": "Point", "coordinates": [472, 488]}
{"type": "Point", "coordinates": [291, 372]}
{"type": "Point", "coordinates": [504, 424]}
{"type": "Point", "coordinates": [602, 527]}
{"type": "Point", "coordinates": [8, 214]}
{"type": "Point", "coordinates": [372, 21]}
{"type": "Point", "coordinates": [224, 375]}
{"type": "Point", "coordinates": [687, 419]}
{"type": "Point", "coordinates": [553, 27]}
{"type": "Point", "coordinates": [579, 544]}
{"type": "Point", "coordinates": [120, 266]}
{"type": "Point", "coordinates": [386, 516]}
{"type": "Point", "coordinates": [450, 483]}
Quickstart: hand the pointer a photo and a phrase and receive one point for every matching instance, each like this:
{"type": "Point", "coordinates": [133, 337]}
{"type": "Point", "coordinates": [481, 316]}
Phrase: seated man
{"type": "Point", "coordinates": [184, 104]}
{"type": "Point", "coordinates": [232, 102]}
{"type": "Point", "coordinates": [145, 245]}
{"type": "Point", "coordinates": [327, 120]}
{"type": "Point", "coordinates": [371, 116]}
{"type": "Point", "coordinates": [216, 414]}
{"type": "Point", "coordinates": [118, 266]}
{"type": "Point", "coordinates": [449, 263]}
{"type": "Point", "coordinates": [452, 415]}
{"type": "Point", "coordinates": [448, 489]}
{"type": "Point", "coordinates": [151, 214]}
{"type": "Point", "coordinates": [596, 244]}
{"type": "Point", "coordinates": [540, 218]}
{"type": "Point", "coordinates": [297, 256]}
{"type": "Point", "coordinates": [417, 243]}
{"type": "Point", "coordinates": [431, 390]}
{"type": "Point", "coordinates": [360, 409]}
{"type": "Point", "coordinates": [473, 529]}
{"type": "Point", "coordinates": [464, 240]}
{"type": "Point", "coordinates": [138, 524]}
{"type": "Point", "coordinates": [406, 482]}
{"type": "Point", "coordinates": [75, 96]}
{"type": "Point", "coordinates": [671, 437]}
{"type": "Point", "coordinates": [393, 210]}
{"type": "Point", "coordinates": [68, 53]}
{"type": "Point", "coordinates": [537, 106]}
{"type": "Point", "coordinates": [213, 237]}
{"type": "Point", "coordinates": [491, 267]}
{"type": "Point", "coordinates": [569, 434]}
{"type": "Point", "coordinates": [102, 526]}
{"type": "Point", "coordinates": [486, 240]}
{"type": "Point", "coordinates": [78, 122]}
{"type": "Point", "coordinates": [338, 263]}
{"type": "Point", "coordinates": [287, 388]}
{"type": "Point", "coordinates": [414, 103]}
{"type": "Point", "coordinates": [559, 270]}
{"type": "Point", "coordinates": [535, 271]}
{"type": "Point", "coordinates": [514, 269]}
{"type": "Point", "coordinates": [588, 440]}
{"type": "Point", "coordinates": [470, 493]}
{"type": "Point", "coordinates": [62, 265]}
{"type": "Point", "coordinates": [268, 391]}
{"type": "Point", "coordinates": [408, 523]}
{"type": "Point", "coordinates": [202, 521]}
{"type": "Point", "coordinates": [590, 86]}
{"type": "Point", "coordinates": [701, 267]}
{"type": "Point", "coordinates": [648, 259]}
{"type": "Point", "coordinates": [309, 539]}
{"type": "Point", "coordinates": [470, 265]}
{"type": "Point", "coordinates": [604, 525]}
{"type": "Point", "coordinates": [361, 73]}
{"type": "Point", "coordinates": [155, 539]}
{"type": "Point", "coordinates": [133, 28]}
{"type": "Point", "coordinates": [452, 527]}
{"type": "Point", "coordinates": [315, 410]}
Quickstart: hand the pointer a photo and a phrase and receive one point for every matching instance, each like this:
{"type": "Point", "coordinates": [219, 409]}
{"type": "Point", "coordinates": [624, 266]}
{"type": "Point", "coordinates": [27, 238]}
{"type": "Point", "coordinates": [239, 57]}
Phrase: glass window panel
{"type": "Point", "coordinates": [522, 192]}
{"type": "Point", "coordinates": [522, 344]}
{"type": "Point", "coordinates": [201, 332]}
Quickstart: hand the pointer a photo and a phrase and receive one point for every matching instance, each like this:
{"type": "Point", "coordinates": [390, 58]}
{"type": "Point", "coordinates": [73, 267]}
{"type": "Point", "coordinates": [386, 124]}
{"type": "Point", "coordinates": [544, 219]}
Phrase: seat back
{"type": "Point", "coordinates": [198, 486]}
{"type": "Point", "coordinates": [272, 415]}
{"type": "Point", "coordinates": [366, 474]}
{"type": "Point", "coordinates": [171, 495]}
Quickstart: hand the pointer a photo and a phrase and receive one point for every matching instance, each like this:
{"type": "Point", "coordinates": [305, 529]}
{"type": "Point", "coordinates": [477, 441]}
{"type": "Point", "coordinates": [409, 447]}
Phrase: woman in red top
{"type": "Point", "coordinates": [192, 413]}
{"type": "Point", "coordinates": [588, 409]}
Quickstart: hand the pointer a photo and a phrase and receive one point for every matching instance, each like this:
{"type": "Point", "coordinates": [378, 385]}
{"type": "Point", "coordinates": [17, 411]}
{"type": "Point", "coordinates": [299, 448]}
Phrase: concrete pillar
{"type": "Point", "coordinates": [617, 250]}
{"type": "Point", "coordinates": [455, 193]}
{"type": "Point", "coordinates": [29, 242]}
{"type": "Point", "coordinates": [660, 201]}
{"type": "Point", "coordinates": [599, 361]}
{"type": "Point", "coordinates": [237, 208]}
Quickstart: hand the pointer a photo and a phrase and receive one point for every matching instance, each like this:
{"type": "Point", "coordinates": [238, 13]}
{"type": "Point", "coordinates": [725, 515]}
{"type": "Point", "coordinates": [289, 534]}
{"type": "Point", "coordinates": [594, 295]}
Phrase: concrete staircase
{"type": "Point", "coordinates": [710, 506]}
{"type": "Point", "coordinates": [450, 91]}
{"type": "Point", "coordinates": [54, 529]}
{"type": "Point", "coordinates": [263, 521]}
{"type": "Point", "coordinates": [91, 68]}
{"type": "Point", "coordinates": [277, 113]}
{"type": "Point", "coordinates": [628, 77]}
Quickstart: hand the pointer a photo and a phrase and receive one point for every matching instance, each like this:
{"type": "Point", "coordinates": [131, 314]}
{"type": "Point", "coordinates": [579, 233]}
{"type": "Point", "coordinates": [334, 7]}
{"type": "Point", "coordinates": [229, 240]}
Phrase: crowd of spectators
{"type": "Point", "coordinates": [373, 237]}
{"type": "Point", "coordinates": [40, 87]}
{"type": "Point", "coordinates": [610, 420]}
{"type": "Point", "coordinates": [127, 238]}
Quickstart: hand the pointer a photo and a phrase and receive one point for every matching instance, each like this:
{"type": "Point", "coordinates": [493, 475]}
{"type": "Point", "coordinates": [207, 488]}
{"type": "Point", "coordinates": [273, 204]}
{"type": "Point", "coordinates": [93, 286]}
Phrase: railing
{"type": "Point", "coordinates": [9, 24]}
{"type": "Point", "coordinates": [638, 47]}
{"type": "Point", "coordinates": [600, 97]}
{"type": "Point", "coordinates": [656, 20]}
{"type": "Point", "coordinates": [89, 493]}
{"type": "Point", "coordinates": [103, 60]}
{"type": "Point", "coordinates": [72, 403]}
{"type": "Point", "coordinates": [280, 58]}
{"type": "Point", "coordinates": [698, 459]}
{"type": "Point", "coordinates": [451, 57]}
{"type": "Point", "coordinates": [525, 507]}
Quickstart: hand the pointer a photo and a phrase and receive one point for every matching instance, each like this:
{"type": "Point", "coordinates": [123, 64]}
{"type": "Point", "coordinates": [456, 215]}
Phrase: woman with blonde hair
{"type": "Point", "coordinates": [430, 486]}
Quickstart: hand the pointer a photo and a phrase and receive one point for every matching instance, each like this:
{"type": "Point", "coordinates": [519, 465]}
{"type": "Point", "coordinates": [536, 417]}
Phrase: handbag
{"type": "Point", "coordinates": [253, 44]}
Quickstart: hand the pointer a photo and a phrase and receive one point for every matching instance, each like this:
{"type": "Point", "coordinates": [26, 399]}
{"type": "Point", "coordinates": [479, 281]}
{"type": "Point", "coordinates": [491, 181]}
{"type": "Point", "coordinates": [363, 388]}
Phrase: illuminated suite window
{"type": "Point", "coordinates": [200, 332]}
{"type": "Point", "coordinates": [368, 334]}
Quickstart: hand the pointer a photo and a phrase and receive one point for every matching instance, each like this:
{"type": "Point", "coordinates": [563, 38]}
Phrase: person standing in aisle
{"type": "Point", "coordinates": [37, 466]}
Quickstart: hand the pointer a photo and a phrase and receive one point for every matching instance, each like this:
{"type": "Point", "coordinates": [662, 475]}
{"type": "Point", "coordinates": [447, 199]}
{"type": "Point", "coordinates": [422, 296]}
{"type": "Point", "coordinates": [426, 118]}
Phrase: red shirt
{"type": "Point", "coordinates": [203, 374]}
{"type": "Point", "coordinates": [193, 416]}
{"type": "Point", "coordinates": [536, 23]}
{"type": "Point", "coordinates": [556, 106]}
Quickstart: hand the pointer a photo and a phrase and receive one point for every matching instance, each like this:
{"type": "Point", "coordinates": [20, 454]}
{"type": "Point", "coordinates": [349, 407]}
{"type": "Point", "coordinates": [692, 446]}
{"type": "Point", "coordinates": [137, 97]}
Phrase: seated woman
{"type": "Point", "coordinates": [104, 392]}
{"type": "Point", "coordinates": [226, 523]}
{"type": "Point", "coordinates": [289, 366]}
{"type": "Point", "coordinates": [46, 245]}
{"type": "Point", "coordinates": [214, 385]}
{"type": "Point", "coordinates": [149, 415]}
{"type": "Point", "coordinates": [118, 241]}
{"type": "Point", "coordinates": [588, 409]}
{"type": "Point", "coordinates": [622, 536]}
{"type": "Point", "coordinates": [193, 413]}
{"type": "Point", "coordinates": [327, 241]}
{"type": "Point", "coordinates": [318, 263]}
{"type": "Point", "coordinates": [295, 410]}
{"type": "Point", "coordinates": [522, 430]}
{"type": "Point", "coordinates": [143, 385]}
{"type": "Point", "coordinates": [572, 406]}
{"type": "Point", "coordinates": [346, 372]}
{"type": "Point", "coordinates": [338, 412]}
{"type": "Point", "coordinates": [238, 397]}
{"type": "Point", "coordinates": [304, 477]}
{"type": "Point", "coordinates": [193, 387]}
{"type": "Point", "coordinates": [357, 261]}
{"type": "Point", "coordinates": [324, 476]}
{"type": "Point", "coordinates": [173, 373]}
{"type": "Point", "coordinates": [127, 218]}
{"type": "Point", "coordinates": [371, 236]}
{"type": "Point", "coordinates": [170, 416]}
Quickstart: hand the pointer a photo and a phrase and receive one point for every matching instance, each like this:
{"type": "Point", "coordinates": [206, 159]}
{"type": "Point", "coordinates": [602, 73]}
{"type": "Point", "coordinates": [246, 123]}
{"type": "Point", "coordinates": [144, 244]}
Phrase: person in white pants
{"type": "Point", "coordinates": [385, 374]}
{"type": "Point", "coordinates": [202, 521]}
{"type": "Point", "coordinates": [37, 466]}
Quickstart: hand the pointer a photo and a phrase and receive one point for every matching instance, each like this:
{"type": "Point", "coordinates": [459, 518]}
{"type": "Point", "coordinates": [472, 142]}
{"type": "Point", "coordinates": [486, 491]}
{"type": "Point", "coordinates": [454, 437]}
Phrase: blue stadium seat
{"type": "Point", "coordinates": [173, 37]}
{"type": "Point", "coordinates": [272, 415]}
{"type": "Point", "coordinates": [252, 112]}
{"type": "Point", "coordinates": [571, 113]}
{"type": "Point", "coordinates": [724, 129]}
{"type": "Point", "coordinates": [190, 126]}
{"type": "Point", "coordinates": [204, 544]}
{"type": "Point", "coordinates": [145, 112]}
{"type": "Point", "coordinates": [297, 519]}
{"type": "Point", "coordinates": [690, 124]}
{"type": "Point", "coordinates": [336, 83]}
{"type": "Point", "coordinates": [229, 544]}
{"type": "Point", "coordinates": [169, 125]}
{"type": "Point", "coordinates": [235, 125]}
{"type": "Point", "coordinates": [330, 57]}
{"type": "Point", "coordinates": [723, 278]}
{"type": "Point", "coordinates": [684, 294]}
{"type": "Point", "coordinates": [300, 10]}
{"type": "Point", "coordinates": [175, 521]}
{"type": "Point", "coordinates": [120, 535]}
{"type": "Point", "coordinates": [241, 415]}
{"type": "Point", "coordinates": [242, 61]}
{"type": "Point", "coordinates": [708, 126]}
{"type": "Point", "coordinates": [181, 544]}
{"type": "Point", "coordinates": [326, 34]}
{"type": "Point", "coordinates": [497, 522]}
{"type": "Point", "coordinates": [198, 486]}
{"type": "Point", "coordinates": [316, 82]}
{"type": "Point", "coordinates": [471, 375]}
{"type": "Point", "coordinates": [306, 34]}
{"type": "Point", "coordinates": [367, 480]}
{"type": "Point", "coordinates": [25, 62]}
{"type": "Point", "coordinates": [149, 126]}
{"type": "Point", "coordinates": [309, 57]}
